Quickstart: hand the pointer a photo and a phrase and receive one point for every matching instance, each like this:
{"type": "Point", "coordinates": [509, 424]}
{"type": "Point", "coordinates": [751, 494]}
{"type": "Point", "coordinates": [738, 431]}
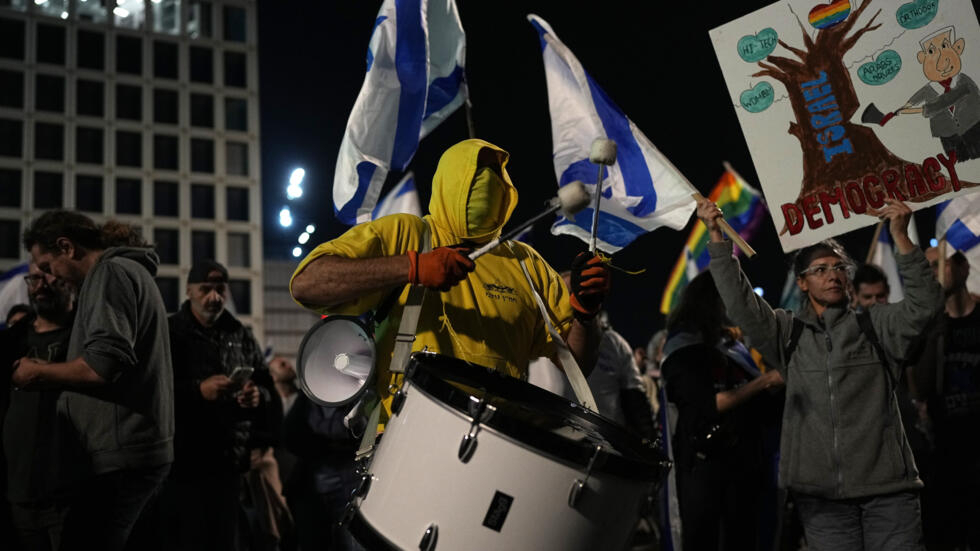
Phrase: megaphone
{"type": "Point", "coordinates": [337, 360]}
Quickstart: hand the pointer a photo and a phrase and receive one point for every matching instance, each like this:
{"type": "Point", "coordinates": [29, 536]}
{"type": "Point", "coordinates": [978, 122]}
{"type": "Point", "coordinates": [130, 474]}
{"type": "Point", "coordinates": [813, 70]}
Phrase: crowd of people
{"type": "Point", "coordinates": [848, 424]}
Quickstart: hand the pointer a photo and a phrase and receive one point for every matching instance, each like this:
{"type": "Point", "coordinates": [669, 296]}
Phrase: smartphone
{"type": "Point", "coordinates": [240, 375]}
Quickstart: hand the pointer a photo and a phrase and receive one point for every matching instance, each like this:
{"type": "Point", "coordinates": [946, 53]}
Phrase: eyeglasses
{"type": "Point", "coordinates": [823, 270]}
{"type": "Point", "coordinates": [33, 280]}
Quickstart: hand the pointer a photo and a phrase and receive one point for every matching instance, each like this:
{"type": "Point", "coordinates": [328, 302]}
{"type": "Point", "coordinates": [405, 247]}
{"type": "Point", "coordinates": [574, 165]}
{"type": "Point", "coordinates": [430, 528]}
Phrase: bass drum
{"type": "Point", "coordinates": [473, 459]}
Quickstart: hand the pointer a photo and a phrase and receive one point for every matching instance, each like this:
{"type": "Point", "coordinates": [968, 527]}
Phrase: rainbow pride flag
{"type": "Point", "coordinates": [742, 207]}
{"type": "Point", "coordinates": [825, 15]}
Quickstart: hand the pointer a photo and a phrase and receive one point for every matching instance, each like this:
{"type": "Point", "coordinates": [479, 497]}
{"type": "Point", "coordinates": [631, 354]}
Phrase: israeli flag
{"type": "Point", "coordinates": [959, 220]}
{"type": "Point", "coordinates": [883, 256]}
{"type": "Point", "coordinates": [414, 81]}
{"type": "Point", "coordinates": [402, 199]}
{"type": "Point", "coordinates": [642, 191]}
{"type": "Point", "coordinates": [13, 290]}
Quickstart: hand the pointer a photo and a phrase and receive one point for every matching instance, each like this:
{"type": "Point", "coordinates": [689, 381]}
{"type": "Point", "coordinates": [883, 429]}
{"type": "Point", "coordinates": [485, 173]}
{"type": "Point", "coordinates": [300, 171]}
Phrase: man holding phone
{"type": "Point", "coordinates": [224, 398]}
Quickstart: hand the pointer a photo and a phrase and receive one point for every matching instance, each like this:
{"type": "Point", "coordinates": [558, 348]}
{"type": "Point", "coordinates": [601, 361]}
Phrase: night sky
{"type": "Point", "coordinates": [654, 59]}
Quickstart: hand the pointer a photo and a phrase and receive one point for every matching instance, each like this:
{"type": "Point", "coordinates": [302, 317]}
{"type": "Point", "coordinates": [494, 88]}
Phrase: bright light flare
{"type": "Point", "coordinates": [296, 178]}
{"type": "Point", "coordinates": [297, 251]}
{"type": "Point", "coordinates": [310, 228]}
{"type": "Point", "coordinates": [303, 238]}
{"type": "Point", "coordinates": [758, 291]}
{"type": "Point", "coordinates": [285, 217]}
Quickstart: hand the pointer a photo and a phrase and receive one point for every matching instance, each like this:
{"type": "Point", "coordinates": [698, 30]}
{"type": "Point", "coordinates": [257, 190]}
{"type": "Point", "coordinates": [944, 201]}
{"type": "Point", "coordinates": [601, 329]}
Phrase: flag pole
{"type": "Point", "coordinates": [874, 241]}
{"type": "Point", "coordinates": [470, 126]}
{"type": "Point", "coordinates": [942, 261]}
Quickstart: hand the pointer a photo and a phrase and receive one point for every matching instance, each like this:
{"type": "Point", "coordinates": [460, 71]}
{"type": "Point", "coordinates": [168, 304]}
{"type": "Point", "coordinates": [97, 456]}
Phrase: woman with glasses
{"type": "Point", "coordinates": [843, 452]}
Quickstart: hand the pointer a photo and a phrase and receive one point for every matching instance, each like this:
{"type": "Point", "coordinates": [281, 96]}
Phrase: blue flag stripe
{"type": "Point", "coordinates": [960, 236]}
{"type": "Point", "coordinates": [348, 214]}
{"type": "Point", "coordinates": [612, 229]}
{"type": "Point", "coordinates": [629, 157]}
{"type": "Point", "coordinates": [443, 91]}
{"type": "Point", "coordinates": [410, 64]}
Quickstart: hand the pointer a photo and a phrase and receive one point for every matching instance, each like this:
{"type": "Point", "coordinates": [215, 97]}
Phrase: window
{"type": "Point", "coordinates": [199, 19]}
{"type": "Point", "coordinates": [129, 54]}
{"type": "Point", "coordinates": [235, 69]}
{"type": "Point", "coordinates": [236, 202]}
{"type": "Point", "coordinates": [170, 292]}
{"type": "Point", "coordinates": [166, 199]}
{"type": "Point", "coordinates": [167, 243]}
{"type": "Point", "coordinates": [47, 190]}
{"type": "Point", "coordinates": [241, 295]}
{"type": "Point", "coordinates": [88, 193]}
{"type": "Point", "coordinates": [90, 98]}
{"type": "Point", "coordinates": [92, 10]}
{"type": "Point", "coordinates": [165, 155]}
{"type": "Point", "coordinates": [129, 102]}
{"type": "Point", "coordinates": [129, 148]}
{"type": "Point", "coordinates": [239, 252]}
{"type": "Point", "coordinates": [129, 196]}
{"type": "Point", "coordinates": [236, 114]}
{"type": "Point", "coordinates": [49, 141]}
{"type": "Point", "coordinates": [49, 93]}
{"type": "Point", "coordinates": [50, 44]}
{"type": "Point", "coordinates": [166, 16]}
{"type": "Point", "coordinates": [202, 110]}
{"type": "Point", "coordinates": [234, 23]}
{"type": "Point", "coordinates": [9, 239]}
{"type": "Point", "coordinates": [91, 46]}
{"type": "Point", "coordinates": [202, 202]}
{"type": "Point", "coordinates": [54, 8]}
{"type": "Point", "coordinates": [236, 158]}
{"type": "Point", "coordinates": [202, 64]}
{"type": "Point", "coordinates": [11, 39]}
{"type": "Point", "coordinates": [11, 138]}
{"type": "Point", "coordinates": [164, 59]}
{"type": "Point", "coordinates": [10, 188]}
{"type": "Point", "coordinates": [202, 155]}
{"type": "Point", "coordinates": [164, 106]}
{"type": "Point", "coordinates": [129, 14]}
{"type": "Point", "coordinates": [88, 145]}
{"type": "Point", "coordinates": [11, 89]}
{"type": "Point", "coordinates": [202, 244]}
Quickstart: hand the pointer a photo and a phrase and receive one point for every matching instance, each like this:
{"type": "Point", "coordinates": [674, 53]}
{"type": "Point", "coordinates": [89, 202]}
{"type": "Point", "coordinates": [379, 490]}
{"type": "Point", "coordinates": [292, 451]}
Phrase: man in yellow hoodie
{"type": "Point", "coordinates": [484, 311]}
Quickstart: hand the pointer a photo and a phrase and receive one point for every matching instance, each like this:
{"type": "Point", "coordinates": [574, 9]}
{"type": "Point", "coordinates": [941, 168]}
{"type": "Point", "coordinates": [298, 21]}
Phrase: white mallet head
{"type": "Point", "coordinates": [603, 152]}
{"type": "Point", "coordinates": [573, 197]}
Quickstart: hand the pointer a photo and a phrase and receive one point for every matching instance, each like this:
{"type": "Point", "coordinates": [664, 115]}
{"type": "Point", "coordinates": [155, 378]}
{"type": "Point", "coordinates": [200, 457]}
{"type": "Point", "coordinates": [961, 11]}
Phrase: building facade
{"type": "Point", "coordinates": [142, 111]}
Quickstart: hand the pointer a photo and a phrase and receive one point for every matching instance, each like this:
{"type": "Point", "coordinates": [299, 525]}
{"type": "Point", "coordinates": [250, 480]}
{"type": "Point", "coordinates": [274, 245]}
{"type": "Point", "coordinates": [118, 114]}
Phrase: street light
{"type": "Point", "coordinates": [295, 190]}
{"type": "Point", "coordinates": [297, 251]}
{"type": "Point", "coordinates": [285, 217]}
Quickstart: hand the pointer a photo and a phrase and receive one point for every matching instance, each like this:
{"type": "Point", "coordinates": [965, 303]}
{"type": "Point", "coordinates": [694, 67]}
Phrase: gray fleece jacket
{"type": "Point", "coordinates": [121, 331]}
{"type": "Point", "coordinates": [842, 436]}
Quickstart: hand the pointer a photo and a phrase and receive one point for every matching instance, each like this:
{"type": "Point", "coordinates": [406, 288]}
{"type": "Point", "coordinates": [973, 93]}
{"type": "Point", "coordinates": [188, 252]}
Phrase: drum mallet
{"type": "Point", "coordinates": [603, 153]}
{"type": "Point", "coordinates": [572, 198]}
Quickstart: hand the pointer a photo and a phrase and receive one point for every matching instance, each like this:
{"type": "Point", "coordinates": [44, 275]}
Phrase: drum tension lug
{"type": "Point", "coordinates": [363, 486]}
{"type": "Point", "coordinates": [480, 412]}
{"type": "Point", "coordinates": [579, 484]}
{"type": "Point", "coordinates": [429, 538]}
{"type": "Point", "coordinates": [397, 402]}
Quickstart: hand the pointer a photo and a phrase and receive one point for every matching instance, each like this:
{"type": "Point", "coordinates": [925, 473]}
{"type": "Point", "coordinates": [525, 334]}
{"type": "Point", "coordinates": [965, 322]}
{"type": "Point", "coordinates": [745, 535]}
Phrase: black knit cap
{"type": "Point", "coordinates": [204, 268]}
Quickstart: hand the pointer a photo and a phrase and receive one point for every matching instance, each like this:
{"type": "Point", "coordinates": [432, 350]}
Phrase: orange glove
{"type": "Point", "coordinates": [439, 269]}
{"type": "Point", "coordinates": [590, 285]}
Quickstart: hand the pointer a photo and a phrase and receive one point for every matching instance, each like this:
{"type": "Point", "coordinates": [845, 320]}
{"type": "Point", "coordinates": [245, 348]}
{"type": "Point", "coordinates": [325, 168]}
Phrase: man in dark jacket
{"type": "Point", "coordinates": [218, 417]}
{"type": "Point", "coordinates": [843, 452]}
{"type": "Point", "coordinates": [117, 400]}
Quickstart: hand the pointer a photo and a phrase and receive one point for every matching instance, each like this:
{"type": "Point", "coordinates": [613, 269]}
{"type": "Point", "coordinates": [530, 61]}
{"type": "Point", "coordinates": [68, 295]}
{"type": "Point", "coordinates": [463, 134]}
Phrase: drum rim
{"type": "Point", "coordinates": [367, 535]}
{"type": "Point", "coordinates": [300, 368]}
{"type": "Point", "coordinates": [629, 467]}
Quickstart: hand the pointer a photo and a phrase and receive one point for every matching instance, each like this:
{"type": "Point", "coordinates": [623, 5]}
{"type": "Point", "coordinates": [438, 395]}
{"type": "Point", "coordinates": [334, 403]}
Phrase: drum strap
{"type": "Point", "coordinates": [575, 377]}
{"type": "Point", "coordinates": [403, 347]}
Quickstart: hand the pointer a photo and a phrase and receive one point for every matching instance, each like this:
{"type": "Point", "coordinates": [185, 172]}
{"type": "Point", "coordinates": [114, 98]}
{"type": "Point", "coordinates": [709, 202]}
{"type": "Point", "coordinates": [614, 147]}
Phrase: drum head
{"type": "Point", "coordinates": [537, 418]}
{"type": "Point", "coordinates": [336, 361]}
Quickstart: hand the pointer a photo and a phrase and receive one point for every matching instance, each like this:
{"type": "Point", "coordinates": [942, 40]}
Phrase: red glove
{"type": "Point", "coordinates": [439, 269]}
{"type": "Point", "coordinates": [590, 285]}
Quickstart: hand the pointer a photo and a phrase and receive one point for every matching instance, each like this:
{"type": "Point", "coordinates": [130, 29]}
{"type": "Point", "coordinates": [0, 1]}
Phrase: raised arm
{"type": "Point", "coordinates": [749, 311]}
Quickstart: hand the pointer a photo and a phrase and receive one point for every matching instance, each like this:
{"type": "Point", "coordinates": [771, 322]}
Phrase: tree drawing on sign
{"type": "Point", "coordinates": [837, 152]}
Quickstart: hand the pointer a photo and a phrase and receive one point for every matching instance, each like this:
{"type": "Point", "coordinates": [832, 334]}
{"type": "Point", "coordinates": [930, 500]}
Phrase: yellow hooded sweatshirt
{"type": "Point", "coordinates": [490, 318]}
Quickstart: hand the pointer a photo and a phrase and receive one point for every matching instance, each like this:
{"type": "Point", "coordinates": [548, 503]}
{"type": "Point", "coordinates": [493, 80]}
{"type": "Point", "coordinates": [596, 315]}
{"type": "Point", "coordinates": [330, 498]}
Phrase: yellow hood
{"type": "Point", "coordinates": [453, 181]}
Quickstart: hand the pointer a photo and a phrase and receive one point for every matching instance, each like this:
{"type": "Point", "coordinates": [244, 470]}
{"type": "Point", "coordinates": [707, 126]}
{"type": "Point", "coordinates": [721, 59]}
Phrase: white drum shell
{"type": "Point", "coordinates": [419, 480]}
